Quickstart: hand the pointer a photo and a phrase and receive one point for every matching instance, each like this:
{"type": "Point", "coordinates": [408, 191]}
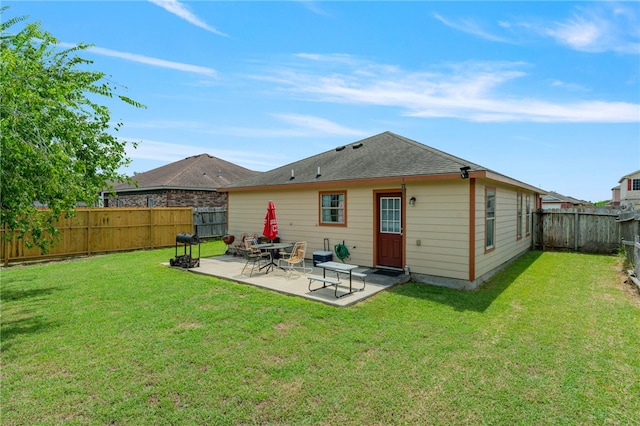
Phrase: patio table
{"type": "Point", "coordinates": [272, 247]}
{"type": "Point", "coordinates": [339, 268]}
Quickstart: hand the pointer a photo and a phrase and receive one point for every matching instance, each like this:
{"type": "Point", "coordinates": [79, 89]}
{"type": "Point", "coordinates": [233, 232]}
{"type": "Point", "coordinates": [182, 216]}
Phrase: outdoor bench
{"type": "Point", "coordinates": [360, 275]}
{"type": "Point", "coordinates": [324, 281]}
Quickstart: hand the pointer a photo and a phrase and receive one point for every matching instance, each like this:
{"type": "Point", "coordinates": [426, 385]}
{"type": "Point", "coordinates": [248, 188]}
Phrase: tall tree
{"type": "Point", "coordinates": [58, 144]}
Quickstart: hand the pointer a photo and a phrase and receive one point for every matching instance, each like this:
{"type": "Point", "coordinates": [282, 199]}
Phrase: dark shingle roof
{"type": "Point", "coordinates": [552, 196]}
{"type": "Point", "coordinates": [197, 172]}
{"type": "Point", "coordinates": [380, 156]}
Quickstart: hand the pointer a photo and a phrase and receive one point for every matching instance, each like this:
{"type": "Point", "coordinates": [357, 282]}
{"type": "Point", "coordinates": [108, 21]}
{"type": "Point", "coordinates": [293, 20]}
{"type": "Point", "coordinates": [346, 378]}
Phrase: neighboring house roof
{"type": "Point", "coordinates": [199, 172]}
{"type": "Point", "coordinates": [554, 197]}
{"type": "Point", "coordinates": [382, 156]}
{"type": "Point", "coordinates": [630, 175]}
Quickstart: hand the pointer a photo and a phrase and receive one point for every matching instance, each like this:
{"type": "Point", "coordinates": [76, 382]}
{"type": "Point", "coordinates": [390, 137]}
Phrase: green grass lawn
{"type": "Point", "coordinates": [120, 339]}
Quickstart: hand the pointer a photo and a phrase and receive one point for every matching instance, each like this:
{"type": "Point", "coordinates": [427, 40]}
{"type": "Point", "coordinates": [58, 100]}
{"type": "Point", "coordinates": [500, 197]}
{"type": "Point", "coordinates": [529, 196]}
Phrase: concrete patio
{"type": "Point", "coordinates": [296, 283]}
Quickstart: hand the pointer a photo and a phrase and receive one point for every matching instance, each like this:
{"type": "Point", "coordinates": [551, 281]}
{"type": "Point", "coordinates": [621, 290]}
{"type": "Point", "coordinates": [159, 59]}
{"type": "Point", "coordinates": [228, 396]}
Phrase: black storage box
{"type": "Point", "coordinates": [322, 256]}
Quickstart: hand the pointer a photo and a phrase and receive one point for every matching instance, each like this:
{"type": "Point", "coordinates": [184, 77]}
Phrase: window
{"type": "Point", "coordinates": [519, 216]}
{"type": "Point", "coordinates": [490, 218]}
{"type": "Point", "coordinates": [635, 185]}
{"type": "Point", "coordinates": [528, 207]}
{"type": "Point", "coordinates": [390, 215]}
{"type": "Point", "coordinates": [120, 203]}
{"type": "Point", "coordinates": [332, 208]}
{"type": "Point", "coordinates": [150, 202]}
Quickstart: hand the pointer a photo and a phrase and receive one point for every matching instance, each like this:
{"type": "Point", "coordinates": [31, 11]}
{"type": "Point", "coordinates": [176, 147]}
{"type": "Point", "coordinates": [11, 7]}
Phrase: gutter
{"type": "Point", "coordinates": [382, 180]}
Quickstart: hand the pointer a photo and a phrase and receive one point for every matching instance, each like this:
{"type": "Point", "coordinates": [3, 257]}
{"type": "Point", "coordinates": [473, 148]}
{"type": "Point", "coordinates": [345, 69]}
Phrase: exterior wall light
{"type": "Point", "coordinates": [464, 172]}
{"type": "Point", "coordinates": [412, 201]}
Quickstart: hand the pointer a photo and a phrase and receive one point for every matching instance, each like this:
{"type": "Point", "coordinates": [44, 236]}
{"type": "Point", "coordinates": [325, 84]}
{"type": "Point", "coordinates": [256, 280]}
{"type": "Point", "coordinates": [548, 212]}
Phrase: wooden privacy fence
{"type": "Point", "coordinates": [591, 230]}
{"type": "Point", "coordinates": [629, 225]}
{"type": "Point", "coordinates": [632, 252]}
{"type": "Point", "coordinates": [210, 222]}
{"type": "Point", "coordinates": [104, 230]}
{"type": "Point", "coordinates": [630, 229]}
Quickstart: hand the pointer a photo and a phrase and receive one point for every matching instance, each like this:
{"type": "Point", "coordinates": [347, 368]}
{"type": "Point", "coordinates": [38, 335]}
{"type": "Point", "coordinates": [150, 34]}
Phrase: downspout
{"type": "Point", "coordinates": [403, 225]}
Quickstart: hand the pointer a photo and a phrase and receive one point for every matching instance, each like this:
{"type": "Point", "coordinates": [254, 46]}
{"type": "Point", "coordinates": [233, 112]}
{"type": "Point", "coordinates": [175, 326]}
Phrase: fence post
{"type": "Point", "coordinates": [534, 231]}
{"type": "Point", "coordinates": [576, 230]}
{"type": "Point", "coordinates": [538, 230]}
{"type": "Point", "coordinates": [151, 222]}
{"type": "Point", "coordinates": [5, 243]}
{"type": "Point", "coordinates": [636, 255]}
{"type": "Point", "coordinates": [89, 212]}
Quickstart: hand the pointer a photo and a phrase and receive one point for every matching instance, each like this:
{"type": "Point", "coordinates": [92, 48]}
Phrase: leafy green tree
{"type": "Point", "coordinates": [58, 147]}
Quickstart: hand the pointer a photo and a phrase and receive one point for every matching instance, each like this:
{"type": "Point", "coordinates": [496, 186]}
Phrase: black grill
{"type": "Point", "coordinates": [186, 260]}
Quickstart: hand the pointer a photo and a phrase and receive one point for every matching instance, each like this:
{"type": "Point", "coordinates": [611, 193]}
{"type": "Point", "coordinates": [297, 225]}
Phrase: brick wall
{"type": "Point", "coordinates": [168, 198]}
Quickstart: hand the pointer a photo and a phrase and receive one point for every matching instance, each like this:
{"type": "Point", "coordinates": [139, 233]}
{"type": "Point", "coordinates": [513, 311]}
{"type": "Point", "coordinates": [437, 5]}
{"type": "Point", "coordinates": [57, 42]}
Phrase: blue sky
{"type": "Point", "coordinates": [546, 93]}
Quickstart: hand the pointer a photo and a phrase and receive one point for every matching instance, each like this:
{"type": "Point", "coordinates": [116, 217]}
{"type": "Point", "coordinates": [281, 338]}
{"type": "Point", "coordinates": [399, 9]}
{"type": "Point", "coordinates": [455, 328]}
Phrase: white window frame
{"type": "Point", "coordinates": [390, 215]}
{"type": "Point", "coordinates": [490, 219]}
{"type": "Point", "coordinates": [528, 213]}
{"type": "Point", "coordinates": [337, 208]}
{"type": "Point", "coordinates": [519, 213]}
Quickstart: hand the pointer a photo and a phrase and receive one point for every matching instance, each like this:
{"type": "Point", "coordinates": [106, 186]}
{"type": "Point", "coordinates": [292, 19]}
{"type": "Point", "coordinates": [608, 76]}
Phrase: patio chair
{"type": "Point", "coordinates": [295, 258]}
{"type": "Point", "coordinates": [254, 256]}
{"type": "Point", "coordinates": [240, 245]}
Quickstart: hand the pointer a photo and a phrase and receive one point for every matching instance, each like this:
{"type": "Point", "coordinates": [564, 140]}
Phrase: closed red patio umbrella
{"type": "Point", "coordinates": [270, 222]}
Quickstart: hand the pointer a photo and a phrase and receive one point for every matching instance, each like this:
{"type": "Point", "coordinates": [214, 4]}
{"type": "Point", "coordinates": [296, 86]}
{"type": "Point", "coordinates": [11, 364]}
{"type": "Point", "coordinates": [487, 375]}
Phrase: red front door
{"type": "Point", "coordinates": [389, 230]}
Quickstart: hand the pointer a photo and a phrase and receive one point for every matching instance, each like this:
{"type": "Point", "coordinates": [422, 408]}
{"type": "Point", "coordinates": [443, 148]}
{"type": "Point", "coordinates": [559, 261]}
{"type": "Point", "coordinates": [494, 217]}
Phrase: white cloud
{"type": "Point", "coordinates": [332, 57]}
{"type": "Point", "coordinates": [541, 111]}
{"type": "Point", "coordinates": [181, 10]}
{"type": "Point", "coordinates": [597, 28]}
{"type": "Point", "coordinates": [573, 87]}
{"type": "Point", "coordinates": [318, 126]}
{"type": "Point", "coordinates": [170, 152]}
{"type": "Point", "coordinates": [580, 33]}
{"type": "Point", "coordinates": [209, 72]}
{"type": "Point", "coordinates": [160, 151]}
{"type": "Point", "coordinates": [167, 124]}
{"type": "Point", "coordinates": [471, 90]}
{"type": "Point", "coordinates": [293, 125]}
{"type": "Point", "coordinates": [470, 27]}
{"type": "Point", "coordinates": [313, 6]}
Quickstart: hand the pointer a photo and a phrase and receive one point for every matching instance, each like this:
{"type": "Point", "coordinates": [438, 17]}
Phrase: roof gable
{"type": "Point", "coordinates": [202, 171]}
{"type": "Point", "coordinates": [634, 175]}
{"type": "Point", "coordinates": [380, 156]}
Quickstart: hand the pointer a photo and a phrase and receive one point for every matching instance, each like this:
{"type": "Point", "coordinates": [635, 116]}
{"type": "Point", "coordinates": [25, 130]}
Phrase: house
{"type": "Point", "coordinates": [630, 190]}
{"type": "Point", "coordinates": [615, 196]}
{"type": "Point", "coordinates": [191, 182]}
{"type": "Point", "coordinates": [395, 204]}
{"type": "Point", "coordinates": [553, 200]}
